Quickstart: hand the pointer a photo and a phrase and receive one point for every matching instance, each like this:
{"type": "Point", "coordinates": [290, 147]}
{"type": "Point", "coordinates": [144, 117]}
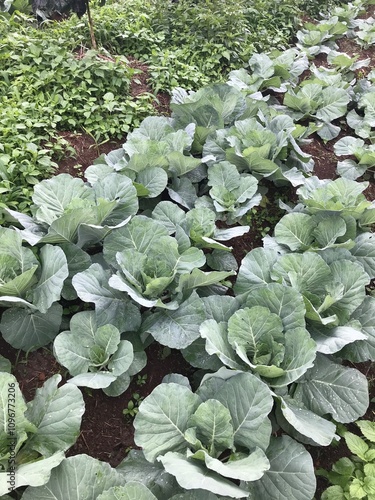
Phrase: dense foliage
{"type": "Point", "coordinates": [140, 246]}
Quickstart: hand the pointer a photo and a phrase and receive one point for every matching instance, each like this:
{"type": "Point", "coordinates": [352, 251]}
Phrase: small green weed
{"type": "Point", "coordinates": [132, 408]}
{"type": "Point", "coordinates": [354, 478]}
{"type": "Point", "coordinates": [141, 379]}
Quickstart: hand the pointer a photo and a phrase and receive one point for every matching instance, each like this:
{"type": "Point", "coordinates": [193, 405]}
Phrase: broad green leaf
{"type": "Point", "coordinates": [364, 252]}
{"type": "Point", "coordinates": [94, 380]}
{"type": "Point", "coordinates": [108, 338]}
{"type": "Point", "coordinates": [27, 329]}
{"type": "Point", "coordinates": [247, 326]}
{"type": "Point", "coordinates": [118, 386]}
{"type": "Point", "coordinates": [305, 272]}
{"type": "Point", "coordinates": [11, 245]}
{"type": "Point", "coordinates": [363, 350]}
{"type": "Point", "coordinates": [198, 278]}
{"type": "Point", "coordinates": [34, 474]}
{"type": "Point", "coordinates": [18, 286]}
{"type": "Point", "coordinates": [300, 353]}
{"type": "Point", "coordinates": [220, 307]}
{"type": "Point", "coordinates": [71, 354]}
{"type": "Point", "coordinates": [54, 195]}
{"type": "Point", "coordinates": [12, 405]}
{"type": "Point", "coordinates": [131, 491]}
{"type": "Point", "coordinates": [76, 478]}
{"type": "Point", "coordinates": [333, 493]}
{"type": "Point", "coordinates": [250, 423]}
{"type": "Point", "coordinates": [169, 214]}
{"type": "Point", "coordinates": [334, 104]}
{"type": "Point", "coordinates": [213, 426]}
{"type": "Point", "coordinates": [140, 234]}
{"type": "Point", "coordinates": [248, 468]}
{"type": "Point", "coordinates": [116, 188]}
{"type": "Point", "coordinates": [216, 336]}
{"type": "Point", "coordinates": [295, 231]}
{"type": "Point", "coordinates": [192, 474]}
{"type": "Point", "coordinates": [354, 280]}
{"type": "Point", "coordinates": [283, 301]}
{"type": "Point", "coordinates": [66, 227]}
{"type": "Point", "coordinates": [135, 467]}
{"type": "Point", "coordinates": [332, 340]}
{"type": "Point", "coordinates": [224, 174]}
{"type": "Point", "coordinates": [356, 445]}
{"type": "Point", "coordinates": [5, 365]}
{"type": "Point", "coordinates": [367, 429]}
{"type": "Point", "coordinates": [183, 192]}
{"type": "Point", "coordinates": [176, 329]}
{"type": "Point", "coordinates": [122, 359]}
{"type": "Point", "coordinates": [328, 230]}
{"type": "Point", "coordinates": [197, 356]}
{"type": "Point", "coordinates": [112, 306]}
{"type": "Point", "coordinates": [350, 169]}
{"type": "Point", "coordinates": [78, 261]}
{"type": "Point", "coordinates": [331, 388]}
{"type": "Point", "coordinates": [221, 260]}
{"type": "Point", "coordinates": [162, 420]}
{"type": "Point", "coordinates": [56, 412]}
{"type": "Point", "coordinates": [306, 422]}
{"type": "Point", "coordinates": [291, 474]}
{"type": "Point", "coordinates": [54, 272]}
{"type": "Point", "coordinates": [255, 269]}
{"type": "Point", "coordinates": [154, 179]}
{"type": "Point", "coordinates": [179, 164]}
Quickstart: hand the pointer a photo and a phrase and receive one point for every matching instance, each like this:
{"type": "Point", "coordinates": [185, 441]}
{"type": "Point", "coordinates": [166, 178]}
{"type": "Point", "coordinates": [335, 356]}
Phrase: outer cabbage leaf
{"type": "Point", "coordinates": [295, 231]}
{"type": "Point", "coordinates": [192, 474]}
{"type": "Point", "coordinates": [94, 478]}
{"type": "Point", "coordinates": [307, 424]}
{"type": "Point", "coordinates": [251, 427]}
{"type": "Point", "coordinates": [135, 467]}
{"type": "Point", "coordinates": [282, 301]}
{"type": "Point", "coordinates": [56, 412]}
{"type": "Point", "coordinates": [111, 306]}
{"type": "Point", "coordinates": [363, 350]}
{"type": "Point", "coordinates": [255, 269]}
{"type": "Point", "coordinates": [29, 329]}
{"type": "Point", "coordinates": [331, 388]}
{"type": "Point", "coordinates": [163, 418]}
{"type": "Point", "coordinates": [176, 329]}
{"type": "Point", "coordinates": [131, 491]}
{"type": "Point", "coordinates": [291, 475]}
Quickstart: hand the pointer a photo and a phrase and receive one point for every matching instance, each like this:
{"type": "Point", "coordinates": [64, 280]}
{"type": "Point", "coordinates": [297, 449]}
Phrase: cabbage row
{"type": "Point", "coordinates": [142, 244]}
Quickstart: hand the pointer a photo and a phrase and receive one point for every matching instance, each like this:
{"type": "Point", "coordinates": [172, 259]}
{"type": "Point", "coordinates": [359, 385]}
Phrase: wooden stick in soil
{"type": "Point", "coordinates": [91, 26]}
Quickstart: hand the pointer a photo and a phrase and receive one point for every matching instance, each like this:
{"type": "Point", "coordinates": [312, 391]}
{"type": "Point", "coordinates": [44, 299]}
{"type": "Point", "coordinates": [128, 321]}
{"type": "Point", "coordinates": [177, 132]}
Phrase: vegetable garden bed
{"type": "Point", "coordinates": [187, 187]}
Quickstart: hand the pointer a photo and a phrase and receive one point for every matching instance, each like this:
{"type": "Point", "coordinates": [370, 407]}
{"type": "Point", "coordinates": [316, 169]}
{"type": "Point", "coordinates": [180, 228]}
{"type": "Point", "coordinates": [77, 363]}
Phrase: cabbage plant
{"type": "Point", "coordinates": [364, 155]}
{"type": "Point", "coordinates": [30, 286]}
{"type": "Point", "coordinates": [270, 71]}
{"type": "Point", "coordinates": [68, 210]}
{"type": "Point", "coordinates": [96, 356]}
{"type": "Point", "coordinates": [155, 269]}
{"type": "Point", "coordinates": [318, 102]}
{"type": "Point", "coordinates": [232, 194]}
{"type": "Point", "coordinates": [42, 430]}
{"type": "Point", "coordinates": [220, 435]}
{"type": "Point", "coordinates": [152, 153]}
{"type": "Point", "coordinates": [264, 146]}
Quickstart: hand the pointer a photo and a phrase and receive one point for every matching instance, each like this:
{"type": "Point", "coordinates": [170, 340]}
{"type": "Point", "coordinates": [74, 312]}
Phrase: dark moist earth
{"type": "Point", "coordinates": [106, 432]}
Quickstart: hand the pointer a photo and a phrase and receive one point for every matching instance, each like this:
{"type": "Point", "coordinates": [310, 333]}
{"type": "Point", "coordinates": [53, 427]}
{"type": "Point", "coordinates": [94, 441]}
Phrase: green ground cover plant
{"type": "Point", "coordinates": [137, 249]}
{"type": "Point", "coordinates": [51, 82]}
{"type": "Point", "coordinates": [354, 477]}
